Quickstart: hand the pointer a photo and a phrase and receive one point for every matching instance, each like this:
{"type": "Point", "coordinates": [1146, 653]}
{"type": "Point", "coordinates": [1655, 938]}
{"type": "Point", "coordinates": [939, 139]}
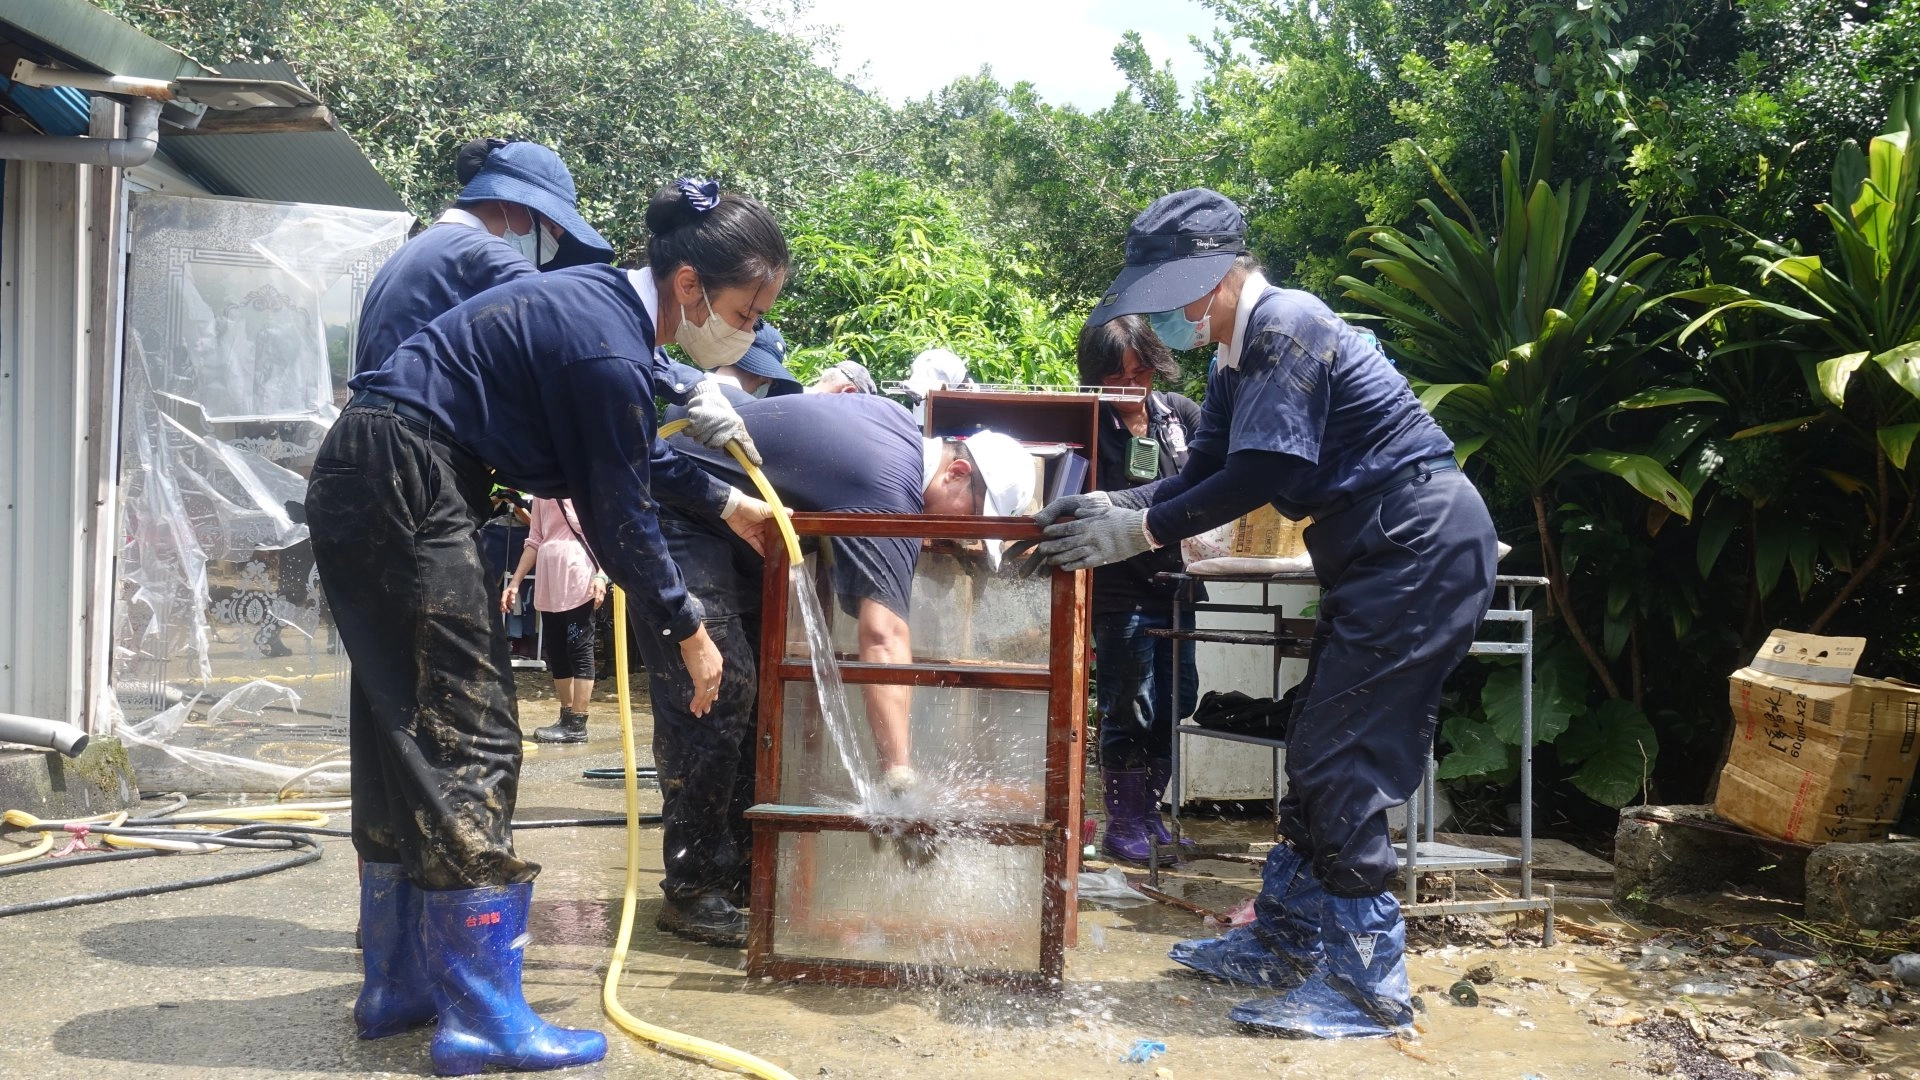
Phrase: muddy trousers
{"type": "Point", "coordinates": [1406, 577]}
{"type": "Point", "coordinates": [706, 763]}
{"type": "Point", "coordinates": [435, 737]}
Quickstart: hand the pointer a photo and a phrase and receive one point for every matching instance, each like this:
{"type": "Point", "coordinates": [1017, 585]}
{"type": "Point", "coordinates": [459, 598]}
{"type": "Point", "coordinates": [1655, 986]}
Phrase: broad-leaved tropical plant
{"type": "Point", "coordinates": [1522, 354]}
{"type": "Point", "coordinates": [1856, 317]}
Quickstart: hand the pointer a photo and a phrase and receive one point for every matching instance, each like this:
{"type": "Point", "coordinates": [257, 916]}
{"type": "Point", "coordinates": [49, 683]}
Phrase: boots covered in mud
{"type": "Point", "coordinates": [1360, 990]}
{"type": "Point", "coordinates": [572, 728]}
{"type": "Point", "coordinates": [1281, 948]}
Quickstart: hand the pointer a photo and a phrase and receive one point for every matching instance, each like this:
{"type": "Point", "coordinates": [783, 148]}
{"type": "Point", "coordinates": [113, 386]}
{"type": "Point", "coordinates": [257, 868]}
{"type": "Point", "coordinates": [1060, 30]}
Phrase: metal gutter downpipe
{"type": "Point", "coordinates": [138, 148]}
{"type": "Point", "coordinates": [34, 731]}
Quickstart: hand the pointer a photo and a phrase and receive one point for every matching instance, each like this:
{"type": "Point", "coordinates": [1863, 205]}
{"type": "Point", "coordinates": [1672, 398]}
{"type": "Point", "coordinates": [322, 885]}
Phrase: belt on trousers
{"type": "Point", "coordinates": [1406, 474]}
{"type": "Point", "coordinates": [418, 419]}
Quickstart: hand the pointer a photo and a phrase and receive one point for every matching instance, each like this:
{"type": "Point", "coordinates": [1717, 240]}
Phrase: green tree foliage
{"type": "Point", "coordinates": [890, 268]}
{"type": "Point", "coordinates": [1856, 319]}
{"type": "Point", "coordinates": [630, 92]}
{"type": "Point", "coordinates": [1525, 354]}
{"type": "Point", "coordinates": [1058, 186]}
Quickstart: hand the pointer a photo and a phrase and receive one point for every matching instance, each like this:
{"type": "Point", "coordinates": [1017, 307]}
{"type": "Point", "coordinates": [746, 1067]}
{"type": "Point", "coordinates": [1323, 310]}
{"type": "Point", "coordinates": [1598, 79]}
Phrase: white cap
{"type": "Point", "coordinates": [933, 369]}
{"type": "Point", "coordinates": [1007, 469]}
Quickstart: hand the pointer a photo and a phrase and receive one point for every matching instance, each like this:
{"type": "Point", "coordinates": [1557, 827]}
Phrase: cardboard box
{"type": "Point", "coordinates": [1267, 534]}
{"type": "Point", "coordinates": [1820, 755]}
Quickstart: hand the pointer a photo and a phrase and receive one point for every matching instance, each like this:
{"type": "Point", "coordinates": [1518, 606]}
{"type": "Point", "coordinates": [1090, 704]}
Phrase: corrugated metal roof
{"type": "Point", "coordinates": [324, 167]}
{"type": "Point", "coordinates": [57, 110]}
{"type": "Point", "coordinates": [307, 166]}
{"type": "Point", "coordinates": [83, 33]}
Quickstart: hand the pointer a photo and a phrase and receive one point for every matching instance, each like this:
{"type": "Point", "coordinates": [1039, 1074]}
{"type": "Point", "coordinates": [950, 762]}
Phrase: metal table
{"type": "Point", "coordinates": [1419, 853]}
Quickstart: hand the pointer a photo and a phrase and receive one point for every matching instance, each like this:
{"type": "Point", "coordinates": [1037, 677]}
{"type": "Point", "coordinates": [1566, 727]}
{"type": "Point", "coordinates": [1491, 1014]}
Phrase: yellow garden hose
{"type": "Point", "coordinates": [305, 814]}
{"type": "Point", "coordinates": [29, 854]}
{"type": "Point", "coordinates": [665, 1038]}
{"type": "Point", "coordinates": [668, 431]}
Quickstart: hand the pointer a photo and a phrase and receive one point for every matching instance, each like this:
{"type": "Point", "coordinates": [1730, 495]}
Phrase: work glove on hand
{"type": "Point", "coordinates": [1074, 506]}
{"type": "Point", "coordinates": [712, 421]}
{"type": "Point", "coordinates": [1095, 539]}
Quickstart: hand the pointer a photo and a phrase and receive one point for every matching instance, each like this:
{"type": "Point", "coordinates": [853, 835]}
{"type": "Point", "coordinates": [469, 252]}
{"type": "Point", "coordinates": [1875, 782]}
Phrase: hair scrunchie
{"type": "Point", "coordinates": [701, 195]}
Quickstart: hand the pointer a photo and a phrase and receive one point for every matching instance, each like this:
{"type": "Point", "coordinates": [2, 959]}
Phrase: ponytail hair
{"type": "Point", "coordinates": [729, 240]}
{"type": "Point", "coordinates": [466, 165]}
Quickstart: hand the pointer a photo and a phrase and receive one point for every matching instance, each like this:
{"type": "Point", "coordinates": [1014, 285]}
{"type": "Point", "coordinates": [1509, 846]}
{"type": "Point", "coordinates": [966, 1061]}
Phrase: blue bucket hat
{"type": "Point", "coordinates": [766, 357]}
{"type": "Point", "coordinates": [1178, 249]}
{"type": "Point", "coordinates": [535, 177]}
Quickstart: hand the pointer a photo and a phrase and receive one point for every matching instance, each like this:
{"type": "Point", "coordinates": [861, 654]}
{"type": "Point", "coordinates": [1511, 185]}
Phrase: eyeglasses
{"type": "Point", "coordinates": [1140, 376]}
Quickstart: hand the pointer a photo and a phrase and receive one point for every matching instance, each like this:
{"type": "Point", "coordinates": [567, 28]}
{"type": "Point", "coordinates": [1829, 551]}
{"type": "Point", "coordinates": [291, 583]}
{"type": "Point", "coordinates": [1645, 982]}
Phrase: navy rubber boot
{"type": "Point", "coordinates": [1280, 948]}
{"type": "Point", "coordinates": [395, 993]}
{"type": "Point", "coordinates": [1127, 837]}
{"type": "Point", "coordinates": [475, 939]}
{"type": "Point", "coordinates": [1361, 991]}
{"type": "Point", "coordinates": [1159, 774]}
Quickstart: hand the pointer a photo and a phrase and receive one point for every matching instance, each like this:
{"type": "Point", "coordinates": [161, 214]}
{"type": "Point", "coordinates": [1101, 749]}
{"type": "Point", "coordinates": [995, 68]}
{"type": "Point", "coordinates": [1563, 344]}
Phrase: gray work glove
{"type": "Point", "coordinates": [1093, 502]}
{"type": "Point", "coordinates": [712, 421]}
{"type": "Point", "coordinates": [1102, 538]}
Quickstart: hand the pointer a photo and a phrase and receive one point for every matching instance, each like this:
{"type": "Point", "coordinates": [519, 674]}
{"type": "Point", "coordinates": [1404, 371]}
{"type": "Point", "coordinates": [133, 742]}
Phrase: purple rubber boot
{"type": "Point", "coordinates": [1159, 773]}
{"type": "Point", "coordinates": [1128, 837]}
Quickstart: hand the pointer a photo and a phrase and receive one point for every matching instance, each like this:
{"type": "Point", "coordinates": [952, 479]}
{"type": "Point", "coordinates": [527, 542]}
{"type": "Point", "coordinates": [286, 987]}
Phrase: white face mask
{"type": "Point", "coordinates": [714, 343]}
{"type": "Point", "coordinates": [537, 247]}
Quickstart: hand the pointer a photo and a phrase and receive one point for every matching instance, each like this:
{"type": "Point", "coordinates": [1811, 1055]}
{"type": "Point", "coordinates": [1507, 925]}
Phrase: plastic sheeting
{"type": "Point", "coordinates": [240, 325]}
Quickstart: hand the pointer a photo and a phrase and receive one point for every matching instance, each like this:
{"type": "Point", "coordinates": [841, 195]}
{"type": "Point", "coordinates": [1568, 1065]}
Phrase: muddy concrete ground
{"type": "Point", "coordinates": [256, 979]}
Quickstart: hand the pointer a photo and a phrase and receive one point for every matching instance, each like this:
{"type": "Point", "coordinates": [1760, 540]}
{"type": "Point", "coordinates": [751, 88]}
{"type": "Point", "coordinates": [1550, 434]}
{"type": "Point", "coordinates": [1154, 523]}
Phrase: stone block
{"type": "Point", "coordinates": [1672, 850]}
{"type": "Point", "coordinates": [1870, 886]}
{"type": "Point", "coordinates": [48, 785]}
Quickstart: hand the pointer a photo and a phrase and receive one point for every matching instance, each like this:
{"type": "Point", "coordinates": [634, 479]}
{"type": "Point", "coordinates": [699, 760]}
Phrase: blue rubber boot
{"type": "Point", "coordinates": [1361, 991]}
{"type": "Point", "coordinates": [474, 940]}
{"type": "Point", "coordinates": [395, 994]}
{"type": "Point", "coordinates": [1281, 947]}
{"type": "Point", "coordinates": [1125, 792]}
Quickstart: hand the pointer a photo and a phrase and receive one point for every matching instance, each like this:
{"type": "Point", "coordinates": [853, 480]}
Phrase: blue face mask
{"type": "Point", "coordinates": [1179, 333]}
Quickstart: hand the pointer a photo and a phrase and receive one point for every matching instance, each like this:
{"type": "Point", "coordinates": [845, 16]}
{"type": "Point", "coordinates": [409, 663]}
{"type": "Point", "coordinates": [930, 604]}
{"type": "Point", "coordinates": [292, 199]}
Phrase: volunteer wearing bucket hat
{"type": "Point", "coordinates": [762, 372]}
{"type": "Point", "coordinates": [1305, 413]}
{"type": "Point", "coordinates": [515, 216]}
{"type": "Point", "coordinates": [546, 383]}
{"type": "Point", "coordinates": [846, 453]}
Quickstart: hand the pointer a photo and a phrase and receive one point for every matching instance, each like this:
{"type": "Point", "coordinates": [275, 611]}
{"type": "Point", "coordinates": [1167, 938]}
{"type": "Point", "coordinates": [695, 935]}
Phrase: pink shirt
{"type": "Point", "coordinates": [562, 569]}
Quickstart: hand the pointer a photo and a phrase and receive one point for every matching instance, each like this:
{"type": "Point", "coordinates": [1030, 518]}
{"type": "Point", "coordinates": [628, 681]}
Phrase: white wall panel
{"type": "Point", "coordinates": [43, 406]}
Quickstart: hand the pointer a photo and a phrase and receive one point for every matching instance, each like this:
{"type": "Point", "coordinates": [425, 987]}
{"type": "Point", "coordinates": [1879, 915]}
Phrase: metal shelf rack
{"type": "Point", "coordinates": [1420, 853]}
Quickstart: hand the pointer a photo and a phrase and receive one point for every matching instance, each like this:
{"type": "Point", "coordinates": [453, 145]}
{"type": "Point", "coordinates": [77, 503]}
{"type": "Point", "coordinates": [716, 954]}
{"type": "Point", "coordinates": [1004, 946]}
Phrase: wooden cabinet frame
{"type": "Point", "coordinates": [1064, 680]}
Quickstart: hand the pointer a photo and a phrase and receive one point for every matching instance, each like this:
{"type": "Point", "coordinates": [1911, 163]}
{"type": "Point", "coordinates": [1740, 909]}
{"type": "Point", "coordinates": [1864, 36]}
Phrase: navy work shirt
{"type": "Point", "coordinates": [430, 275]}
{"type": "Point", "coordinates": [1309, 386]}
{"type": "Point", "coordinates": [551, 380]}
{"type": "Point", "coordinates": [839, 453]}
{"type": "Point", "coordinates": [1128, 586]}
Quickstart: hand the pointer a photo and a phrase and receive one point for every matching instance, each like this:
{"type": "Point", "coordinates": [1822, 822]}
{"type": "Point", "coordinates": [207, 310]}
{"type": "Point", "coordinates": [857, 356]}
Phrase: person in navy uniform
{"type": "Point", "coordinates": [514, 217]}
{"type": "Point", "coordinates": [1133, 685]}
{"type": "Point", "coordinates": [762, 373]}
{"type": "Point", "coordinates": [1307, 414]}
{"type": "Point", "coordinates": [546, 383]}
{"type": "Point", "coordinates": [831, 453]}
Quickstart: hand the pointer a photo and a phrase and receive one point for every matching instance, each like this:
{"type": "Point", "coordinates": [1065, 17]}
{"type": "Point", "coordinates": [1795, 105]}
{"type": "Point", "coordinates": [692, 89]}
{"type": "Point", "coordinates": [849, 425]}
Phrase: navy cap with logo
{"type": "Point", "coordinates": [1178, 249]}
{"type": "Point", "coordinates": [766, 357]}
